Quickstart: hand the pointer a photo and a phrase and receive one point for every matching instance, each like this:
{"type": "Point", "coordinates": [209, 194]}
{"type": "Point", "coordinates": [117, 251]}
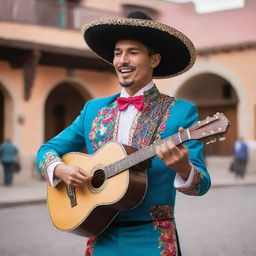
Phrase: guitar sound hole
{"type": "Point", "coordinates": [98, 178]}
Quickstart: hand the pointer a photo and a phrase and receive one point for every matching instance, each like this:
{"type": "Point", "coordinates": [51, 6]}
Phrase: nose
{"type": "Point", "coordinates": [124, 58]}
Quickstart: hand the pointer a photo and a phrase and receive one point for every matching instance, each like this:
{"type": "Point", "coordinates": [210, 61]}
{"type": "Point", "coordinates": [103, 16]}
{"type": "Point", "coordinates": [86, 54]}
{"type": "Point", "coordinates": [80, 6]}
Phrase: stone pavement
{"type": "Point", "coordinates": [30, 189]}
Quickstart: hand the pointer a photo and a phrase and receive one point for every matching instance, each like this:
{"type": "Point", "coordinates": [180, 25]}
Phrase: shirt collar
{"type": "Point", "coordinates": [140, 92]}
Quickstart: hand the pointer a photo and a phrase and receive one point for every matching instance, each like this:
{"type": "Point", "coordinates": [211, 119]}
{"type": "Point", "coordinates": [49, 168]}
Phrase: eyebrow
{"type": "Point", "coordinates": [129, 49]}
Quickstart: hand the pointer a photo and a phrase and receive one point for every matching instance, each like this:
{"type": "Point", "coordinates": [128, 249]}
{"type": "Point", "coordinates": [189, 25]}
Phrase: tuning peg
{"type": "Point", "coordinates": [217, 115]}
{"type": "Point", "coordinates": [211, 141]}
{"type": "Point", "coordinates": [222, 138]}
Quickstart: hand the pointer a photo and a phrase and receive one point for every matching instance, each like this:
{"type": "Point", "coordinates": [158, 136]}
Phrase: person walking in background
{"type": "Point", "coordinates": [8, 154]}
{"type": "Point", "coordinates": [240, 158]}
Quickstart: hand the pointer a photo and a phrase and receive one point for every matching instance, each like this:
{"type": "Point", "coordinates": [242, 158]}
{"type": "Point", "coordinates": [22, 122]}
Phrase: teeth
{"type": "Point", "coordinates": [125, 70]}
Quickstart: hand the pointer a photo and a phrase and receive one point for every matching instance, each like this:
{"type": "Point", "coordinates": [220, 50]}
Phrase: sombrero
{"type": "Point", "coordinates": [178, 53]}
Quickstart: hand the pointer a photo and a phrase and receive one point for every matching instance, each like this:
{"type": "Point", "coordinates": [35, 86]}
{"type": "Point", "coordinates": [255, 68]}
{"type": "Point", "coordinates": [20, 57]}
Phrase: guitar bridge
{"type": "Point", "coordinates": [72, 195]}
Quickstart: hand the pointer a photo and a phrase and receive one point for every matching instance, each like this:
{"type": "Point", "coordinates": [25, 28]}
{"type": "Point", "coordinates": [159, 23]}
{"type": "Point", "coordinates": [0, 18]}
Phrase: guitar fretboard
{"type": "Point", "coordinates": [143, 154]}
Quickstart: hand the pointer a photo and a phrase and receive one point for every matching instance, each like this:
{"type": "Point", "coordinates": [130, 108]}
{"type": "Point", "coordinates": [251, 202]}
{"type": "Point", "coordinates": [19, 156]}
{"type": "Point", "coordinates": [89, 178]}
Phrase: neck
{"type": "Point", "coordinates": [133, 91]}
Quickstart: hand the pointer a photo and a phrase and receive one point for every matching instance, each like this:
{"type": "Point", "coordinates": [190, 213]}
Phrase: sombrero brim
{"type": "Point", "coordinates": [178, 53]}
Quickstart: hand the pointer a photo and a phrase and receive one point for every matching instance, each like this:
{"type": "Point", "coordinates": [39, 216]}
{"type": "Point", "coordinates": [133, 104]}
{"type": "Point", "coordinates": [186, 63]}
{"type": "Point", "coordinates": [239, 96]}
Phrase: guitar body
{"type": "Point", "coordinates": [96, 204]}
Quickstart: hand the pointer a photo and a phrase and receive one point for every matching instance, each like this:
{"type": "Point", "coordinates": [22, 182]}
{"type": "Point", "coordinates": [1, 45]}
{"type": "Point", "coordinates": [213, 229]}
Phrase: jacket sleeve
{"type": "Point", "coordinates": [70, 139]}
{"type": "Point", "coordinates": [201, 181]}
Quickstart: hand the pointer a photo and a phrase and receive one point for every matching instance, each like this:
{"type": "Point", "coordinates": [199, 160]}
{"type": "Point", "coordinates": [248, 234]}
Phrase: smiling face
{"type": "Point", "coordinates": [134, 64]}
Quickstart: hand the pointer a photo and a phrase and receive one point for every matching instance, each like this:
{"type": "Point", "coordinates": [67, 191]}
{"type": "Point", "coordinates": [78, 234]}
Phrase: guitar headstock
{"type": "Point", "coordinates": [213, 126]}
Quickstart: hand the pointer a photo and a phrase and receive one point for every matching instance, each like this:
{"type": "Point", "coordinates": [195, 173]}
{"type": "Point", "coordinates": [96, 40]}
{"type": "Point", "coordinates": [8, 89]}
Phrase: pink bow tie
{"type": "Point", "coordinates": [136, 101]}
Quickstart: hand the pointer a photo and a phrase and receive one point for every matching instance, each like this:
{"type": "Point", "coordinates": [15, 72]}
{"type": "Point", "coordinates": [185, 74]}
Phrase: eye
{"type": "Point", "coordinates": [134, 52]}
{"type": "Point", "coordinates": [117, 54]}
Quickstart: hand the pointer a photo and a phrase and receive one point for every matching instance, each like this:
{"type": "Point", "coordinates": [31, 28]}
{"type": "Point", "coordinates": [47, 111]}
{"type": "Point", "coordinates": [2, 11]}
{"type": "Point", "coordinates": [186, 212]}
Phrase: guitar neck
{"type": "Point", "coordinates": [143, 154]}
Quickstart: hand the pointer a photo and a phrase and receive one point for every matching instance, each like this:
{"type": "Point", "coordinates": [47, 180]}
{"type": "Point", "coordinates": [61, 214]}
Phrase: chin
{"type": "Point", "coordinates": [126, 84]}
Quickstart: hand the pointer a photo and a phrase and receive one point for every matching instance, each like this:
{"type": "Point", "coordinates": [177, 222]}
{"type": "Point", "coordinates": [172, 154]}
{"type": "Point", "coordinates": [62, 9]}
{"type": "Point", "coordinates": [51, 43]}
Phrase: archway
{"type": "Point", "coordinates": [212, 93]}
{"type": "Point", "coordinates": [1, 116]}
{"type": "Point", "coordinates": [8, 129]}
{"type": "Point", "coordinates": [62, 106]}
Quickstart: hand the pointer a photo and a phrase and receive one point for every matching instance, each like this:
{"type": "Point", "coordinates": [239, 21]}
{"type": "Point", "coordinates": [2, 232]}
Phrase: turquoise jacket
{"type": "Point", "coordinates": [101, 115]}
{"type": "Point", "coordinates": [161, 117]}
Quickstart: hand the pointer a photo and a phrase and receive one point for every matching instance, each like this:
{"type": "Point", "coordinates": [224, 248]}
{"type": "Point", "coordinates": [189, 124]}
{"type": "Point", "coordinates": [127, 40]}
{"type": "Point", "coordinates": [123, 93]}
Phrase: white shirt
{"type": "Point", "coordinates": [127, 117]}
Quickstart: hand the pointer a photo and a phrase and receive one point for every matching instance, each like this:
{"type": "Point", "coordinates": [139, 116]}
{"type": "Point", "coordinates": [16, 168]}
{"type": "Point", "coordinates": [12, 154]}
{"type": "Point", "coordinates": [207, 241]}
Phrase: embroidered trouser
{"type": "Point", "coordinates": [150, 239]}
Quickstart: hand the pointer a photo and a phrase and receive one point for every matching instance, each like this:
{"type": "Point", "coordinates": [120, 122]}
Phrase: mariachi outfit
{"type": "Point", "coordinates": [150, 228]}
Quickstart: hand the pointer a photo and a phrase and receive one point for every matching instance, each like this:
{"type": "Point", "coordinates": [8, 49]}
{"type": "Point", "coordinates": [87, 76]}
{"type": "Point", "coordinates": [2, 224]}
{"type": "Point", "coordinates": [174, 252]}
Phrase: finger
{"type": "Point", "coordinates": [73, 182]}
{"type": "Point", "coordinates": [181, 129]}
{"type": "Point", "coordinates": [167, 149]}
{"type": "Point", "coordinates": [170, 145]}
{"type": "Point", "coordinates": [176, 153]}
{"type": "Point", "coordinates": [83, 173]}
{"type": "Point", "coordinates": [77, 183]}
{"type": "Point", "coordinates": [81, 177]}
{"type": "Point", "coordinates": [159, 151]}
{"type": "Point", "coordinates": [183, 147]}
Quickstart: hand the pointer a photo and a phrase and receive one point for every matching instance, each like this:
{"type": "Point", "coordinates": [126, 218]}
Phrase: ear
{"type": "Point", "coordinates": [155, 60]}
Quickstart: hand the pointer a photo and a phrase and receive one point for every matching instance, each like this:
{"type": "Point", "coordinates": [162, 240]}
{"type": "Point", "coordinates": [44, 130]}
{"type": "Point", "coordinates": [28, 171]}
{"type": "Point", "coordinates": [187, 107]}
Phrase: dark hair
{"type": "Point", "coordinates": [151, 51]}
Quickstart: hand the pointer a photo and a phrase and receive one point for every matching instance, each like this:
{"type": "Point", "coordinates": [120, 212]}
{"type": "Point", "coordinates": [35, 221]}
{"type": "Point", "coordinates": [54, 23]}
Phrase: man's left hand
{"type": "Point", "coordinates": [176, 157]}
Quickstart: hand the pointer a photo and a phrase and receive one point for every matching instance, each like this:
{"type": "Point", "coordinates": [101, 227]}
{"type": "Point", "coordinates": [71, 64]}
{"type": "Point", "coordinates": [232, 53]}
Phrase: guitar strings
{"type": "Point", "coordinates": [107, 172]}
{"type": "Point", "coordinates": [129, 157]}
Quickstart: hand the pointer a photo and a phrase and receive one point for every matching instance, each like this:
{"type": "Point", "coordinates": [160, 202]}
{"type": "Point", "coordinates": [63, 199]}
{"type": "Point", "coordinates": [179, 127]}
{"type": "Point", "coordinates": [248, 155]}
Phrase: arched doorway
{"type": "Point", "coordinates": [62, 106]}
{"type": "Point", "coordinates": [8, 127]}
{"type": "Point", "coordinates": [212, 93]}
{"type": "Point", "coordinates": [1, 115]}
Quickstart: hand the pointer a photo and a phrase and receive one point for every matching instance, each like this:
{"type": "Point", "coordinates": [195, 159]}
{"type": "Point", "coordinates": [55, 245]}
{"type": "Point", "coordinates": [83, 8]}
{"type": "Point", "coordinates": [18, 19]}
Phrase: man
{"type": "Point", "coordinates": [240, 155]}
{"type": "Point", "coordinates": [8, 154]}
{"type": "Point", "coordinates": [139, 49]}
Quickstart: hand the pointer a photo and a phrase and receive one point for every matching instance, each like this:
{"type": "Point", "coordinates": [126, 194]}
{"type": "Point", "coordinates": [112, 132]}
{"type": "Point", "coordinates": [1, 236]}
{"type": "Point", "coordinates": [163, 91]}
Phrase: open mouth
{"type": "Point", "coordinates": [125, 71]}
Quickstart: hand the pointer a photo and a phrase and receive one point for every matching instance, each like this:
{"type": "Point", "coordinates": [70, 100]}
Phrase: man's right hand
{"type": "Point", "coordinates": [71, 175]}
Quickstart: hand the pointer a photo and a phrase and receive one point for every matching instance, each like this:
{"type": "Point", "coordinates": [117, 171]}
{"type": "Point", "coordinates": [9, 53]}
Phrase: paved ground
{"type": "Point", "coordinates": [222, 223]}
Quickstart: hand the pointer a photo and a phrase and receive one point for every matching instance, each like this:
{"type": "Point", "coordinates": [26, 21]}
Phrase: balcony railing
{"type": "Point", "coordinates": [49, 13]}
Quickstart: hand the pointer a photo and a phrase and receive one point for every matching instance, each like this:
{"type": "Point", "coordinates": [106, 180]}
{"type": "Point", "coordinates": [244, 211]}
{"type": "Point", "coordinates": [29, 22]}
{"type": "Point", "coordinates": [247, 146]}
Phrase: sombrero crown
{"type": "Point", "coordinates": [177, 51]}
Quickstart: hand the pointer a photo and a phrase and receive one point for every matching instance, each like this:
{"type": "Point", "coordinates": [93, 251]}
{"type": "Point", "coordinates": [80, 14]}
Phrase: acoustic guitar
{"type": "Point", "coordinates": [119, 180]}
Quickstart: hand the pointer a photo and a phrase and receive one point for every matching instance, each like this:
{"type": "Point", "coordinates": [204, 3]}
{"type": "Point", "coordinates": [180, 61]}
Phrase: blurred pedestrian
{"type": "Point", "coordinates": [240, 158]}
{"type": "Point", "coordinates": [8, 157]}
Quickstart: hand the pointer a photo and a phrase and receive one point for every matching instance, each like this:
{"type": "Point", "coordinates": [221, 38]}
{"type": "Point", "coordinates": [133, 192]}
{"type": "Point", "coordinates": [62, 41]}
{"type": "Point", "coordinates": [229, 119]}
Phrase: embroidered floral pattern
{"type": "Point", "coordinates": [143, 130]}
{"type": "Point", "coordinates": [164, 224]}
{"type": "Point", "coordinates": [90, 246]}
{"type": "Point", "coordinates": [48, 158]}
{"type": "Point", "coordinates": [194, 188]}
{"type": "Point", "coordinates": [162, 125]}
{"type": "Point", "coordinates": [103, 126]}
